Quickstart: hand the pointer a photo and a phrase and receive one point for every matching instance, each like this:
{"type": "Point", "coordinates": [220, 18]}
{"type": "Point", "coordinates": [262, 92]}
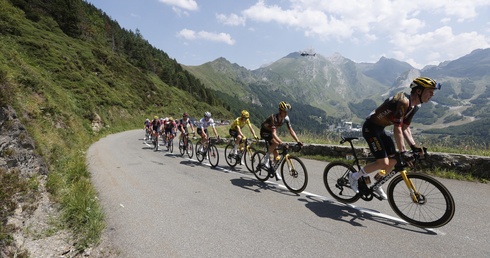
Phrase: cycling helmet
{"type": "Point", "coordinates": [147, 120]}
{"type": "Point", "coordinates": [425, 82]}
{"type": "Point", "coordinates": [155, 117]}
{"type": "Point", "coordinates": [285, 106]}
{"type": "Point", "coordinates": [207, 114]}
{"type": "Point", "coordinates": [185, 114]}
{"type": "Point", "coordinates": [170, 119]}
{"type": "Point", "coordinates": [245, 114]}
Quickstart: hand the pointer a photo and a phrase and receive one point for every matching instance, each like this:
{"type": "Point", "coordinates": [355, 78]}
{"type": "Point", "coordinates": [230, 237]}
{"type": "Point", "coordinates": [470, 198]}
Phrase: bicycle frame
{"type": "Point", "coordinates": [284, 157]}
{"type": "Point", "coordinates": [399, 168]}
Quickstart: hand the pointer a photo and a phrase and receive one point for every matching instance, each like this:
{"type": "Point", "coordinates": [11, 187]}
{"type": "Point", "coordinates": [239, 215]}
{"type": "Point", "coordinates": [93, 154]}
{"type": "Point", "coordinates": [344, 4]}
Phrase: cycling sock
{"type": "Point", "coordinates": [357, 175]}
{"type": "Point", "coordinates": [265, 160]}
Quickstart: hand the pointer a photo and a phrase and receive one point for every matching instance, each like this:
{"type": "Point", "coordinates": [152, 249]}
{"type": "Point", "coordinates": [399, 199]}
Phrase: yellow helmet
{"type": "Point", "coordinates": [245, 114]}
{"type": "Point", "coordinates": [425, 82]}
{"type": "Point", "coordinates": [284, 106]}
{"type": "Point", "coordinates": [155, 117]}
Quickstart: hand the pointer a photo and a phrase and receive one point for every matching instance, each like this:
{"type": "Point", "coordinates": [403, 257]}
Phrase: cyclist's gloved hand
{"type": "Point", "coordinates": [407, 158]}
{"type": "Point", "coordinates": [417, 149]}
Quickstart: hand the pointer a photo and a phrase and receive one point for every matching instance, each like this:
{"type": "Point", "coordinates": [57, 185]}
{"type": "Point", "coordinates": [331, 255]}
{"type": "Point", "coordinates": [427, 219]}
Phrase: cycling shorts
{"type": "Point", "coordinates": [199, 131]}
{"type": "Point", "coordinates": [380, 144]}
{"type": "Point", "coordinates": [233, 133]}
{"type": "Point", "coordinates": [266, 135]}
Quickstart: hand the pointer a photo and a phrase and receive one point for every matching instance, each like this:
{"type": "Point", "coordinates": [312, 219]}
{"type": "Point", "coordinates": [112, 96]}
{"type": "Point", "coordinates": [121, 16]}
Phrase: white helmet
{"type": "Point", "coordinates": [207, 114]}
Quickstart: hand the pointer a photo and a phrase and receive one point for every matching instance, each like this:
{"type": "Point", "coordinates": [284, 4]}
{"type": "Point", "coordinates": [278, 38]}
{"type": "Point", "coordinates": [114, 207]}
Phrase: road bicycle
{"type": "Point", "coordinates": [170, 141]}
{"type": "Point", "coordinates": [154, 140]}
{"type": "Point", "coordinates": [245, 150]}
{"type": "Point", "coordinates": [147, 134]}
{"type": "Point", "coordinates": [185, 146]}
{"type": "Point", "coordinates": [293, 170]}
{"type": "Point", "coordinates": [417, 198]}
{"type": "Point", "coordinates": [208, 150]}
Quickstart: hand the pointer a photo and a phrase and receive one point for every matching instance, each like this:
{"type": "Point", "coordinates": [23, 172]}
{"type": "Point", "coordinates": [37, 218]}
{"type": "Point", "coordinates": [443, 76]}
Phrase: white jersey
{"type": "Point", "coordinates": [205, 124]}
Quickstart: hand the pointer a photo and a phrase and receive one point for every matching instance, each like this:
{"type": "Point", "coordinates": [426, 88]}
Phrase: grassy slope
{"type": "Point", "coordinates": [57, 84]}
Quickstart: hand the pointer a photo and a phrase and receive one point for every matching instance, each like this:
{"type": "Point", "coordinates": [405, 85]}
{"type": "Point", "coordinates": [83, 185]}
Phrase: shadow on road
{"type": "Point", "coordinates": [353, 216]}
{"type": "Point", "coordinates": [253, 184]}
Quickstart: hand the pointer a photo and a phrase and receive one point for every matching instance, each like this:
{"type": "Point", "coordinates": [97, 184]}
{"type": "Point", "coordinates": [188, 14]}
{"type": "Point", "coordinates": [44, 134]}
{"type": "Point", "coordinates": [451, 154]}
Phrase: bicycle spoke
{"type": "Point", "coordinates": [294, 174]}
{"type": "Point", "coordinates": [434, 205]}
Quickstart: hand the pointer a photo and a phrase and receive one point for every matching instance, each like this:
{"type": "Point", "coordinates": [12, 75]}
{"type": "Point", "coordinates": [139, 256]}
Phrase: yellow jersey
{"type": "Point", "coordinates": [239, 122]}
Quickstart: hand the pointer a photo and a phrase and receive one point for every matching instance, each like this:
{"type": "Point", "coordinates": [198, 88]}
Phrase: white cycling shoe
{"type": "Point", "coordinates": [381, 193]}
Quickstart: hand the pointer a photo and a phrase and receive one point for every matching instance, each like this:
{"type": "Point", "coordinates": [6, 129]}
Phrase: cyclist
{"type": "Point", "coordinates": [397, 111]}
{"type": "Point", "coordinates": [268, 131]}
{"type": "Point", "coordinates": [155, 125]}
{"type": "Point", "coordinates": [202, 128]}
{"type": "Point", "coordinates": [169, 128]}
{"type": "Point", "coordinates": [147, 128]}
{"type": "Point", "coordinates": [184, 121]}
{"type": "Point", "coordinates": [236, 129]}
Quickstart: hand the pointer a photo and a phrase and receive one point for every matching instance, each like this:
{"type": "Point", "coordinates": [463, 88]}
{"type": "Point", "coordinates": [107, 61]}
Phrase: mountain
{"type": "Point", "coordinates": [386, 70]}
{"type": "Point", "coordinates": [346, 90]}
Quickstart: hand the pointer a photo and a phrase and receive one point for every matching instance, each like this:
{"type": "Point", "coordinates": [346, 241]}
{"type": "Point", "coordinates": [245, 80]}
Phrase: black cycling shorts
{"type": "Point", "coordinates": [380, 144]}
{"type": "Point", "coordinates": [266, 135]}
{"type": "Point", "coordinates": [199, 131]}
{"type": "Point", "coordinates": [233, 133]}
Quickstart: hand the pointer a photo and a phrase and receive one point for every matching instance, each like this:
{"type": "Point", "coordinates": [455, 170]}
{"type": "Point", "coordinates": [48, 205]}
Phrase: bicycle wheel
{"type": "Point", "coordinates": [181, 147]}
{"type": "Point", "coordinates": [213, 155]}
{"type": "Point", "coordinates": [247, 157]}
{"type": "Point", "coordinates": [189, 149]}
{"type": "Point", "coordinates": [229, 157]}
{"type": "Point", "coordinates": [294, 174]}
{"type": "Point", "coordinates": [260, 173]}
{"type": "Point", "coordinates": [200, 154]}
{"type": "Point", "coordinates": [434, 208]}
{"type": "Point", "coordinates": [171, 145]}
{"type": "Point", "coordinates": [336, 180]}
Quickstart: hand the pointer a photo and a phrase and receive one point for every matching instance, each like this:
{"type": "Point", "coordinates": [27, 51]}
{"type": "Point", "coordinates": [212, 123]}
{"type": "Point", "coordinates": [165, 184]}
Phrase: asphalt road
{"type": "Point", "coordinates": [159, 204]}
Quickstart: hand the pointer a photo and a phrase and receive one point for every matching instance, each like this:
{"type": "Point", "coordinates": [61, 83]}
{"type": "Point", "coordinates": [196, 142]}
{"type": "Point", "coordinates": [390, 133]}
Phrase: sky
{"type": "Point", "coordinates": [254, 33]}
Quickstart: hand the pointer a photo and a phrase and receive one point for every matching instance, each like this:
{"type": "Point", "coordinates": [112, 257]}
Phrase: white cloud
{"type": "Point", "coordinates": [232, 19]}
{"type": "Point", "coordinates": [437, 44]}
{"type": "Point", "coordinates": [204, 35]}
{"type": "Point", "coordinates": [410, 30]}
{"type": "Point", "coordinates": [190, 5]}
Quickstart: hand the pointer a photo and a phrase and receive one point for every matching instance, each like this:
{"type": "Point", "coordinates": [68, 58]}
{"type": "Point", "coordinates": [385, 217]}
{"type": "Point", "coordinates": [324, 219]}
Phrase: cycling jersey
{"type": "Point", "coordinates": [239, 122]}
{"type": "Point", "coordinates": [272, 122]}
{"type": "Point", "coordinates": [170, 124]}
{"type": "Point", "coordinates": [203, 124]}
{"type": "Point", "coordinates": [396, 111]}
{"type": "Point", "coordinates": [184, 122]}
{"type": "Point", "coordinates": [155, 124]}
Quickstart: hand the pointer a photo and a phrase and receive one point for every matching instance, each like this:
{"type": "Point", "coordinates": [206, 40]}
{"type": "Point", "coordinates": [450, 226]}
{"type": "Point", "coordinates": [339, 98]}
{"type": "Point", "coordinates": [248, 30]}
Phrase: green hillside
{"type": "Point", "coordinates": [63, 63]}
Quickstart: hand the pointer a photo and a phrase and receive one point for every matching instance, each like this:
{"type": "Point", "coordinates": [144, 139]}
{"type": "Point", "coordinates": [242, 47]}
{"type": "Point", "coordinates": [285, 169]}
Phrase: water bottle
{"type": "Point", "coordinates": [380, 175]}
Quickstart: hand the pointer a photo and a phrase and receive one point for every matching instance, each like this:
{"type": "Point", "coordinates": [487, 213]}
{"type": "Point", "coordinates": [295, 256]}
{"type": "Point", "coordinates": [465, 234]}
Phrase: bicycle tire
{"type": "Point", "coordinates": [171, 145]}
{"type": "Point", "coordinates": [261, 174]}
{"type": "Point", "coordinates": [199, 155]}
{"type": "Point", "coordinates": [182, 147]}
{"type": "Point", "coordinates": [435, 209]}
{"type": "Point", "coordinates": [296, 177]}
{"type": "Point", "coordinates": [336, 180]}
{"type": "Point", "coordinates": [230, 160]}
{"type": "Point", "coordinates": [189, 149]}
{"type": "Point", "coordinates": [213, 155]}
{"type": "Point", "coordinates": [247, 158]}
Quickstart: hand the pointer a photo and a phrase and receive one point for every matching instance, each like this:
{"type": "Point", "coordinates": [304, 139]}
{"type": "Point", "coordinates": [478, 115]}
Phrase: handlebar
{"type": "Point", "coordinates": [295, 147]}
